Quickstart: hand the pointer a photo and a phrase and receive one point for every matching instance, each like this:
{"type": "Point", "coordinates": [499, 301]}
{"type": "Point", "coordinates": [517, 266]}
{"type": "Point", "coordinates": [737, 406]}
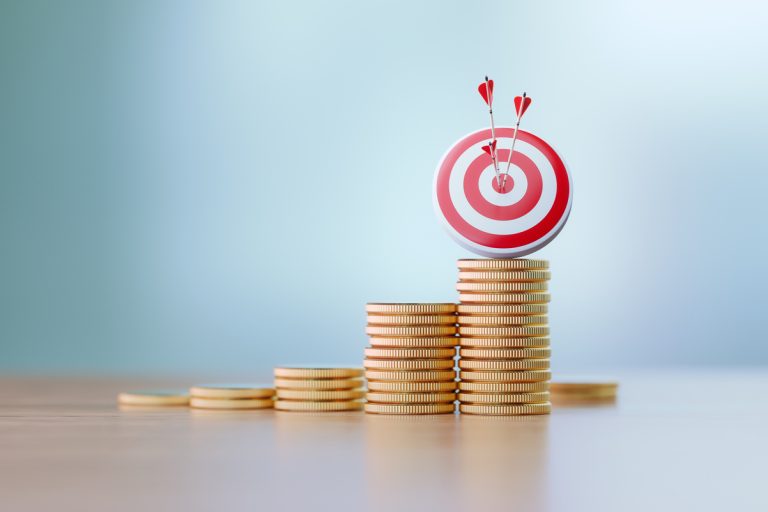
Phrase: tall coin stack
{"type": "Point", "coordinates": [318, 389]}
{"type": "Point", "coordinates": [410, 364]}
{"type": "Point", "coordinates": [503, 336]}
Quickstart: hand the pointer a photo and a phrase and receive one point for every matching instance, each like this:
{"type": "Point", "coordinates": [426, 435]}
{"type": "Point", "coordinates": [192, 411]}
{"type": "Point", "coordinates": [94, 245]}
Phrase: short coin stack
{"type": "Point", "coordinates": [319, 389]}
{"type": "Point", "coordinates": [503, 336]}
{"type": "Point", "coordinates": [231, 396]}
{"type": "Point", "coordinates": [410, 364]}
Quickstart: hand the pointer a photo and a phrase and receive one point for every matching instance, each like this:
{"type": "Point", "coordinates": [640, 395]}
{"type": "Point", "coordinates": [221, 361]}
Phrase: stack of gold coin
{"type": "Point", "coordinates": [410, 365]}
{"type": "Point", "coordinates": [503, 336]}
{"type": "Point", "coordinates": [319, 389]}
{"type": "Point", "coordinates": [231, 396]}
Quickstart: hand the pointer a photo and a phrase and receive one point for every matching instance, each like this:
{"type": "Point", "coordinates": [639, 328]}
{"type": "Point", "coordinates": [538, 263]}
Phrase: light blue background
{"type": "Point", "coordinates": [220, 186]}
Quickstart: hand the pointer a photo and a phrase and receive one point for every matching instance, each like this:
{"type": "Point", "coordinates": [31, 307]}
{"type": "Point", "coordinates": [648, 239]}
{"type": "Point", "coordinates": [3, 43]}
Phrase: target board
{"type": "Point", "coordinates": [518, 219]}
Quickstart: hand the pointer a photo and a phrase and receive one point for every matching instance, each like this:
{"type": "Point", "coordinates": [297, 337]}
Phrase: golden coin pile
{"type": "Point", "coordinates": [231, 396]}
{"type": "Point", "coordinates": [503, 336]}
{"type": "Point", "coordinates": [319, 389]}
{"type": "Point", "coordinates": [410, 364]}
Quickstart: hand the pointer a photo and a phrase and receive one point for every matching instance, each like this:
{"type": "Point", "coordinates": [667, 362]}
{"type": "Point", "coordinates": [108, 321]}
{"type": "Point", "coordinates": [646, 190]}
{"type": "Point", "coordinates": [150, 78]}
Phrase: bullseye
{"type": "Point", "coordinates": [507, 186]}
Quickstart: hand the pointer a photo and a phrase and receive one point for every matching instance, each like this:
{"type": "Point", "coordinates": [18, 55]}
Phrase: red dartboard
{"type": "Point", "coordinates": [514, 221]}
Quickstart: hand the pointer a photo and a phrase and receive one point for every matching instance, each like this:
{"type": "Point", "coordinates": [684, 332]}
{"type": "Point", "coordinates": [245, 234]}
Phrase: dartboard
{"type": "Point", "coordinates": [518, 219]}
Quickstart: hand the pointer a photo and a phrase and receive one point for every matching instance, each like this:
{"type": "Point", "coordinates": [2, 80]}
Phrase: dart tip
{"type": "Point", "coordinates": [523, 94]}
{"type": "Point", "coordinates": [486, 78]}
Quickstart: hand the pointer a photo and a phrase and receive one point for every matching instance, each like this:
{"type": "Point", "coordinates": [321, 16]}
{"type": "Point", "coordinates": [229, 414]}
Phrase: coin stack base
{"type": "Point", "coordinates": [503, 337]}
{"type": "Point", "coordinates": [231, 397]}
{"type": "Point", "coordinates": [410, 364]}
{"type": "Point", "coordinates": [319, 389]}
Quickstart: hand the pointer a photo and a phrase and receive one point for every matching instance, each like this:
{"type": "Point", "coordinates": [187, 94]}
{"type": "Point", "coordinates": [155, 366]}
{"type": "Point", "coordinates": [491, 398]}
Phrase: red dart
{"type": "Point", "coordinates": [525, 101]}
{"type": "Point", "coordinates": [521, 105]}
{"type": "Point", "coordinates": [490, 149]}
{"type": "Point", "coordinates": [486, 91]}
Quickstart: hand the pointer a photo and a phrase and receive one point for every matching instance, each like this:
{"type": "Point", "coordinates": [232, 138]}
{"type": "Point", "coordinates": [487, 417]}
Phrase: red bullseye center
{"type": "Point", "coordinates": [507, 185]}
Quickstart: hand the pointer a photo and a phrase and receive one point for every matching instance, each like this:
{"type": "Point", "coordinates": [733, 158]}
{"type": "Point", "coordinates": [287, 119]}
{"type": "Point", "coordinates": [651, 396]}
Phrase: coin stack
{"type": "Point", "coordinates": [503, 336]}
{"type": "Point", "coordinates": [319, 389]}
{"type": "Point", "coordinates": [231, 396]}
{"type": "Point", "coordinates": [410, 364]}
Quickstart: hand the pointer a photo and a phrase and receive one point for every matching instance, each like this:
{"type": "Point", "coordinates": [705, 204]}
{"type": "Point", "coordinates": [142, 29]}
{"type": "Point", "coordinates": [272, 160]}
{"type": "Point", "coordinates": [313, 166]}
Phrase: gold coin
{"type": "Point", "coordinates": [154, 398]}
{"type": "Point", "coordinates": [434, 308]}
{"type": "Point", "coordinates": [409, 364]}
{"type": "Point", "coordinates": [299, 406]}
{"type": "Point", "coordinates": [410, 408]}
{"type": "Point", "coordinates": [501, 287]}
{"type": "Point", "coordinates": [411, 387]}
{"type": "Point", "coordinates": [231, 404]}
{"type": "Point", "coordinates": [505, 298]}
{"type": "Point", "coordinates": [506, 410]}
{"type": "Point", "coordinates": [411, 398]}
{"type": "Point", "coordinates": [402, 320]}
{"type": "Point", "coordinates": [504, 353]}
{"type": "Point", "coordinates": [231, 391]}
{"type": "Point", "coordinates": [436, 342]}
{"type": "Point", "coordinates": [410, 353]}
{"type": "Point", "coordinates": [319, 384]}
{"type": "Point", "coordinates": [410, 331]}
{"type": "Point", "coordinates": [504, 387]}
{"type": "Point", "coordinates": [504, 365]}
{"type": "Point", "coordinates": [502, 309]}
{"type": "Point", "coordinates": [412, 376]}
{"type": "Point", "coordinates": [504, 275]}
{"type": "Point", "coordinates": [503, 332]}
{"type": "Point", "coordinates": [585, 389]}
{"type": "Point", "coordinates": [501, 320]}
{"type": "Point", "coordinates": [502, 264]}
{"type": "Point", "coordinates": [503, 398]}
{"type": "Point", "coordinates": [319, 395]}
{"type": "Point", "coordinates": [537, 341]}
{"type": "Point", "coordinates": [512, 376]}
{"type": "Point", "coordinates": [300, 372]}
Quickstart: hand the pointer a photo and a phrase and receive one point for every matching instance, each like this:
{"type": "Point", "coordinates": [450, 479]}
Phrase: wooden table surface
{"type": "Point", "coordinates": [675, 440]}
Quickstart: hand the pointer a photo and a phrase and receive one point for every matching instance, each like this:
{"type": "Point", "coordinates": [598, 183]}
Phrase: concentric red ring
{"type": "Point", "coordinates": [496, 212]}
{"type": "Point", "coordinates": [542, 232]}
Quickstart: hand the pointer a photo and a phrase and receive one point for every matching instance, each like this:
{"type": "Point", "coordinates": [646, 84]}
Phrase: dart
{"type": "Point", "coordinates": [521, 105]}
{"type": "Point", "coordinates": [486, 91]}
{"type": "Point", "coordinates": [491, 150]}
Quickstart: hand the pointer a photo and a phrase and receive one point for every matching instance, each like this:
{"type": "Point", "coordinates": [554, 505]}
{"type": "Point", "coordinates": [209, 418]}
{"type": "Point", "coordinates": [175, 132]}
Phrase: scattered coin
{"type": "Point", "coordinates": [154, 398]}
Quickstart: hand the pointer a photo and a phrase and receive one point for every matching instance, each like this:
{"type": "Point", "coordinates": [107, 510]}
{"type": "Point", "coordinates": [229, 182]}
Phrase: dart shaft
{"type": "Point", "coordinates": [493, 134]}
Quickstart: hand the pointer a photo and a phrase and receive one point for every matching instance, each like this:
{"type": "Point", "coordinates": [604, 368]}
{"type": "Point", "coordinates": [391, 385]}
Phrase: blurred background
{"type": "Point", "coordinates": [220, 186]}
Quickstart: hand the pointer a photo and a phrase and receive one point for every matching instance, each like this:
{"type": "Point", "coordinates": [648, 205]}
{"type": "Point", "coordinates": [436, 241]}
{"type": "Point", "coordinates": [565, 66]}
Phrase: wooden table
{"type": "Point", "coordinates": [675, 440]}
